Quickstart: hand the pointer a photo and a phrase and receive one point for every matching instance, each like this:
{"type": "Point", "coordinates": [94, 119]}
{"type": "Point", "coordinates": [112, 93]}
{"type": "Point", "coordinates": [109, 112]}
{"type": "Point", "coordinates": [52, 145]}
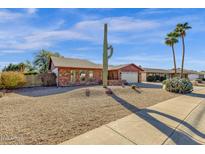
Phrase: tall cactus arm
{"type": "Point", "coordinates": [110, 48]}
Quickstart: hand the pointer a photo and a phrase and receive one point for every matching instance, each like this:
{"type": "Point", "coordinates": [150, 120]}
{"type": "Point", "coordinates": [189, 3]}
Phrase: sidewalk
{"type": "Point", "coordinates": [180, 120]}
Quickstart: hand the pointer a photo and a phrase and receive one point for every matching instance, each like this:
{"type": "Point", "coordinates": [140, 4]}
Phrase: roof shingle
{"type": "Point", "coordinates": [74, 62]}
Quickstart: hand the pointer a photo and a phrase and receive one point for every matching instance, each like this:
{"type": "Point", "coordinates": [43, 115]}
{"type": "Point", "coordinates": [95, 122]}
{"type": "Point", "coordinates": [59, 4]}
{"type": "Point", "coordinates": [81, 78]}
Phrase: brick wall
{"type": "Point", "coordinates": [64, 76]}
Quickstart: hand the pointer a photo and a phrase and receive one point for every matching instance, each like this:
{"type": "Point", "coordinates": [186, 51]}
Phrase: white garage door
{"type": "Point", "coordinates": [130, 77]}
{"type": "Point", "coordinates": [193, 76]}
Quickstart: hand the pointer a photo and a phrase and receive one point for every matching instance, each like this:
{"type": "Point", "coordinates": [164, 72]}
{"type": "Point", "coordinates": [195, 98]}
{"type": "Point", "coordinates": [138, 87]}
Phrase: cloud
{"type": "Point", "coordinates": [144, 58]}
{"type": "Point", "coordinates": [90, 30]}
{"type": "Point", "coordinates": [10, 51]}
{"type": "Point", "coordinates": [85, 48]}
{"type": "Point", "coordinates": [120, 24]}
{"type": "Point", "coordinates": [6, 15]}
{"type": "Point", "coordinates": [32, 10]}
{"type": "Point", "coordinates": [122, 30]}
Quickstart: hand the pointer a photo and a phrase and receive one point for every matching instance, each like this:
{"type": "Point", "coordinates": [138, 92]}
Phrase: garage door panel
{"type": "Point", "coordinates": [129, 76]}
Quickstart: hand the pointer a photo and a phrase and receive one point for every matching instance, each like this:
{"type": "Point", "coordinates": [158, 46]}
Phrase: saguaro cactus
{"type": "Point", "coordinates": [106, 48]}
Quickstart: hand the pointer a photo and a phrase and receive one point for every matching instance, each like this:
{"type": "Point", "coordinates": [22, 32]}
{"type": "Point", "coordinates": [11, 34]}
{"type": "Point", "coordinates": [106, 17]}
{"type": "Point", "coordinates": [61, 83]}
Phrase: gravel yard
{"type": "Point", "coordinates": [59, 116]}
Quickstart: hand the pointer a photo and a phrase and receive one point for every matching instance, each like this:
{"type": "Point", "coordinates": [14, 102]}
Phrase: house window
{"type": "Point", "coordinates": [82, 75]}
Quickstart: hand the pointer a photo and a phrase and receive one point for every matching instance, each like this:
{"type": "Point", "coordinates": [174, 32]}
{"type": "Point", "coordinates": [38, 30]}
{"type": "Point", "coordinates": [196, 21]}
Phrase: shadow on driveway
{"type": "Point", "coordinates": [196, 95]}
{"type": "Point", "coordinates": [165, 129]}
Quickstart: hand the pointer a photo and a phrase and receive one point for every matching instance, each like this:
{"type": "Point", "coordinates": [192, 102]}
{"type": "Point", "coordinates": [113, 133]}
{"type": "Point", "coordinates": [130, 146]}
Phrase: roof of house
{"type": "Point", "coordinates": [82, 63]}
{"type": "Point", "coordinates": [74, 62]}
{"type": "Point", "coordinates": [117, 67]}
{"type": "Point", "coordinates": [179, 71]}
{"type": "Point", "coordinates": [185, 71]}
{"type": "Point", "coordinates": [155, 70]}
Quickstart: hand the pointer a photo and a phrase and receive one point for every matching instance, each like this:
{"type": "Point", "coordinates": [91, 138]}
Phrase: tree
{"type": "Point", "coordinates": [29, 67]}
{"type": "Point", "coordinates": [181, 31]}
{"type": "Point", "coordinates": [42, 58]}
{"type": "Point", "coordinates": [11, 67]}
{"type": "Point", "coordinates": [171, 40]}
{"type": "Point", "coordinates": [20, 67]}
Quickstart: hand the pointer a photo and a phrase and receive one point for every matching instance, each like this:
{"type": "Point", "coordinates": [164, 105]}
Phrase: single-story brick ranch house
{"type": "Point", "coordinates": [71, 71]}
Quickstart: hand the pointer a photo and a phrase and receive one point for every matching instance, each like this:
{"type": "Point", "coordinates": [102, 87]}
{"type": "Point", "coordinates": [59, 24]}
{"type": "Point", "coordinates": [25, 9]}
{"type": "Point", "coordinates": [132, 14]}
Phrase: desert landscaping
{"type": "Point", "coordinates": [61, 114]}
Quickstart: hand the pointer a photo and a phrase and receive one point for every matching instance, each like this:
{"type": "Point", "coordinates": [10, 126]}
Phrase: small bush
{"type": "Point", "coordinates": [12, 80]}
{"type": "Point", "coordinates": [87, 92]}
{"type": "Point", "coordinates": [151, 78]}
{"type": "Point", "coordinates": [162, 78]}
{"type": "Point", "coordinates": [156, 78]}
{"type": "Point", "coordinates": [133, 86]}
{"type": "Point", "coordinates": [178, 85]}
{"type": "Point", "coordinates": [164, 82]}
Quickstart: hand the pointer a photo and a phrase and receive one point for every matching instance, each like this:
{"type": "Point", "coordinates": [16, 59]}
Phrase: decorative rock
{"type": "Point", "coordinates": [108, 91]}
{"type": "Point", "coordinates": [87, 92]}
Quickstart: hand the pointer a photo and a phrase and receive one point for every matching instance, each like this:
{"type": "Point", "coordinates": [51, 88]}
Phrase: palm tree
{"type": "Point", "coordinates": [170, 40]}
{"type": "Point", "coordinates": [181, 30]}
{"type": "Point", "coordinates": [42, 60]}
{"type": "Point", "coordinates": [11, 67]}
{"type": "Point", "coordinates": [21, 67]}
{"type": "Point", "coordinates": [29, 67]}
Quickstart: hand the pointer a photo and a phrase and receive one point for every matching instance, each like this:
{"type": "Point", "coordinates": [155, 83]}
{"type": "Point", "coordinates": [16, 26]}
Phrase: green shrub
{"type": "Point", "coordinates": [162, 78]}
{"type": "Point", "coordinates": [155, 78]}
{"type": "Point", "coordinates": [164, 82]}
{"type": "Point", "coordinates": [151, 78]}
{"type": "Point", "coordinates": [178, 85]}
{"type": "Point", "coordinates": [11, 80]}
{"type": "Point", "coordinates": [133, 86]}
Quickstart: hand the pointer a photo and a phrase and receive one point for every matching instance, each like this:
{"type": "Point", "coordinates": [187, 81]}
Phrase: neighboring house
{"type": "Point", "coordinates": [193, 75]}
{"type": "Point", "coordinates": [153, 72]}
{"type": "Point", "coordinates": [178, 73]}
{"type": "Point", "coordinates": [190, 74]}
{"type": "Point", "coordinates": [169, 73]}
{"type": "Point", "coordinates": [70, 71]}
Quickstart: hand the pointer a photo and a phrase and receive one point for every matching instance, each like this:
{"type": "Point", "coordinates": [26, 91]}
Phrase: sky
{"type": "Point", "coordinates": [137, 35]}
